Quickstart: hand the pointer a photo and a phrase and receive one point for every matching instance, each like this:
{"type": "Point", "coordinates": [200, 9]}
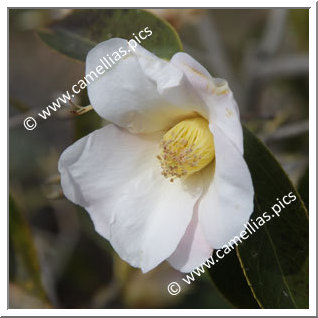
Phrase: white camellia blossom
{"type": "Point", "coordinates": [167, 179]}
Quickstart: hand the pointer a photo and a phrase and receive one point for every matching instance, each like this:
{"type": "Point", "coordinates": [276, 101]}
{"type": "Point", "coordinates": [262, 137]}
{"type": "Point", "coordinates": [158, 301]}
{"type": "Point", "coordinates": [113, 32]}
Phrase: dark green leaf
{"type": "Point", "coordinates": [83, 29]}
{"type": "Point", "coordinates": [303, 187]}
{"type": "Point", "coordinates": [228, 276]}
{"type": "Point", "coordinates": [203, 294]}
{"type": "Point", "coordinates": [275, 257]}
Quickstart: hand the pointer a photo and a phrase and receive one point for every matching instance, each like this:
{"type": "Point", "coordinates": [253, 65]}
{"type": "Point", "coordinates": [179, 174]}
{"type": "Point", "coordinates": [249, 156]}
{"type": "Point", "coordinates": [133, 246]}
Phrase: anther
{"type": "Point", "coordinates": [186, 148]}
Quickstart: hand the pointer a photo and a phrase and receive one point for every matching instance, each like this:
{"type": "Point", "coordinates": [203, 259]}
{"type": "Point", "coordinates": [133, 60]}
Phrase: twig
{"type": "Point", "coordinates": [288, 131]}
{"type": "Point", "coordinates": [274, 32]}
{"type": "Point", "coordinates": [283, 66]}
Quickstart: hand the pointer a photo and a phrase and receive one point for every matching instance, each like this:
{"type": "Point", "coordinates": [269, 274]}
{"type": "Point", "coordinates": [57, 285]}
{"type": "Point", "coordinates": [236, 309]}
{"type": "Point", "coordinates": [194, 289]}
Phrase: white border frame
{"type": "Point", "coordinates": [172, 312]}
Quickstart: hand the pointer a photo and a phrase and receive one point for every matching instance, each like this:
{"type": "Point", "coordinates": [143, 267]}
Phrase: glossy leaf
{"type": "Point", "coordinates": [275, 257]}
{"type": "Point", "coordinates": [303, 187]}
{"type": "Point", "coordinates": [83, 29]}
{"type": "Point", "coordinates": [272, 263]}
{"type": "Point", "coordinates": [228, 277]}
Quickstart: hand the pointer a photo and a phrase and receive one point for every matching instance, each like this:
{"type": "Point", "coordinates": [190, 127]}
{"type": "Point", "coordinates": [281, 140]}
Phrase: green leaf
{"type": "Point", "coordinates": [275, 257]}
{"type": "Point", "coordinates": [228, 277]}
{"type": "Point", "coordinates": [83, 29]}
{"type": "Point", "coordinates": [303, 187]}
{"type": "Point", "coordinates": [24, 266]}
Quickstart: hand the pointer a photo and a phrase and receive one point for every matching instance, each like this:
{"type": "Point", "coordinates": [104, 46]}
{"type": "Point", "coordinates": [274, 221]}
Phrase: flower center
{"type": "Point", "coordinates": [186, 148]}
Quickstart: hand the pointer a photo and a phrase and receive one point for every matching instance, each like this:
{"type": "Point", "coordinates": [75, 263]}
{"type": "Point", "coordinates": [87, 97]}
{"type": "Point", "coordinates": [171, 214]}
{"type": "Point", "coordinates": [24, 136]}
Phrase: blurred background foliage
{"type": "Point", "coordinates": [57, 260]}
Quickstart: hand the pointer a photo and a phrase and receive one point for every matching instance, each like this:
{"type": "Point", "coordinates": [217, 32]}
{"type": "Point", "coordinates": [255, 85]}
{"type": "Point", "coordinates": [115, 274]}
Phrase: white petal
{"type": "Point", "coordinates": [117, 178]}
{"type": "Point", "coordinates": [222, 109]}
{"type": "Point", "coordinates": [193, 250]}
{"type": "Point", "coordinates": [228, 202]}
{"type": "Point", "coordinates": [140, 91]}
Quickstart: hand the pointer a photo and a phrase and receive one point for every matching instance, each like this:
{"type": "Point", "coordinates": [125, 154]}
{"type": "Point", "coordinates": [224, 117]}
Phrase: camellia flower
{"type": "Point", "coordinates": [167, 179]}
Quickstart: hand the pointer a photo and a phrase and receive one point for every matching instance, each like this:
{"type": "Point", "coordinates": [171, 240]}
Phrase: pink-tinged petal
{"type": "Point", "coordinates": [228, 202]}
{"type": "Point", "coordinates": [117, 178]}
{"type": "Point", "coordinates": [193, 249]}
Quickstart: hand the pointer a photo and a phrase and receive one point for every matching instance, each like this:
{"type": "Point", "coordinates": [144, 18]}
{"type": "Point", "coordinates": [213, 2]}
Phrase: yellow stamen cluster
{"type": "Point", "coordinates": [186, 148]}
